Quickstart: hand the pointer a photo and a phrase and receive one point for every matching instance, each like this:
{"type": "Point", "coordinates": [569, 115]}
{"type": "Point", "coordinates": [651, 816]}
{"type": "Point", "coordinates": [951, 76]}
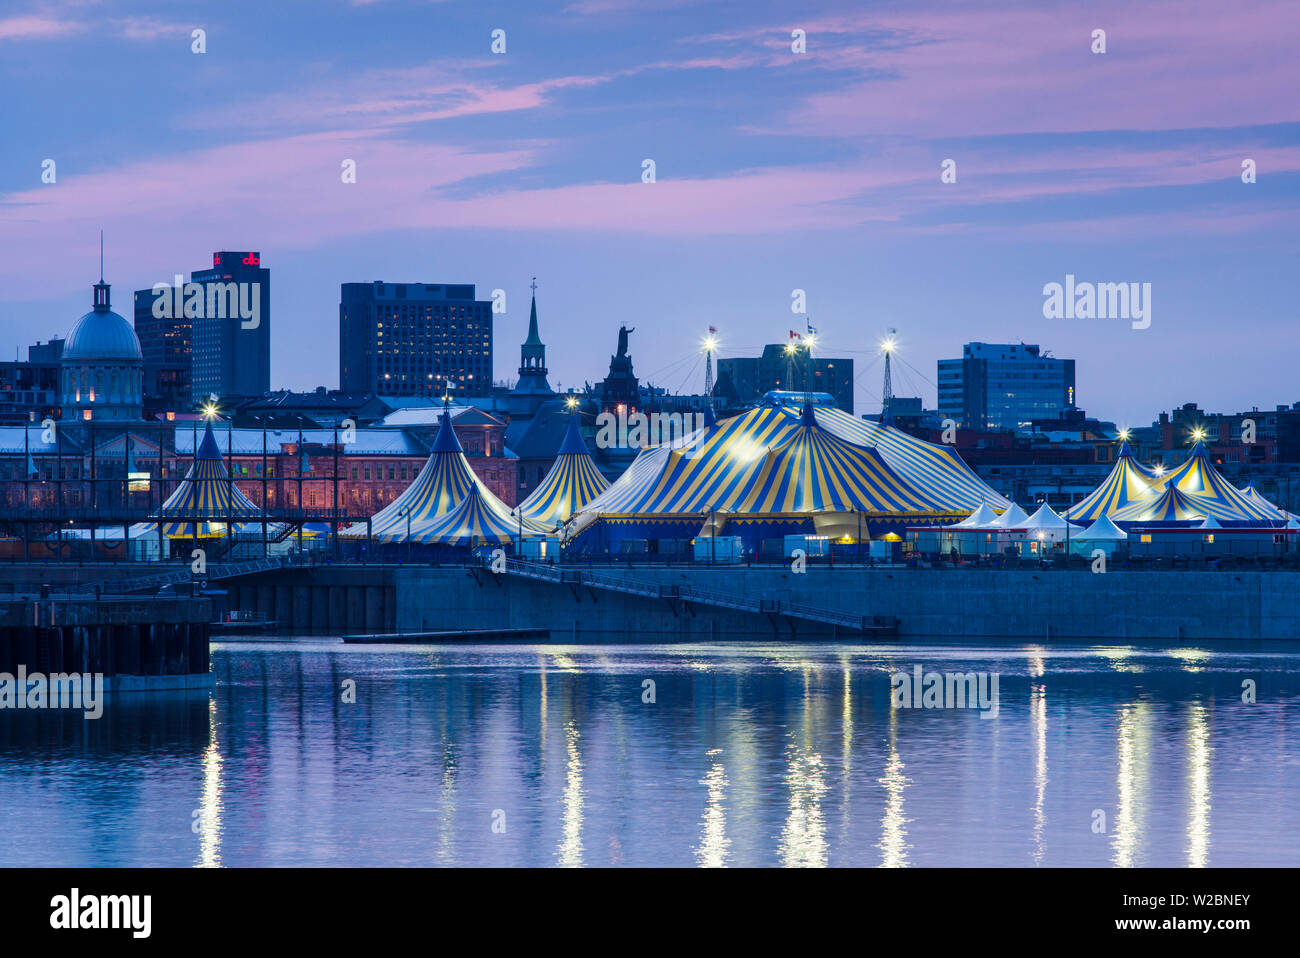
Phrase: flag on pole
{"type": "Point", "coordinates": [794, 335]}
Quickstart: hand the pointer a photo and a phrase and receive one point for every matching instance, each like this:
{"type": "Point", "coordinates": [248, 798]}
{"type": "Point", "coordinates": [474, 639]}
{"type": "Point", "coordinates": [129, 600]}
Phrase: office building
{"type": "Point", "coordinates": [231, 339]}
{"type": "Point", "coordinates": [414, 339]}
{"type": "Point", "coordinates": [743, 380]}
{"type": "Point", "coordinates": [1004, 386]}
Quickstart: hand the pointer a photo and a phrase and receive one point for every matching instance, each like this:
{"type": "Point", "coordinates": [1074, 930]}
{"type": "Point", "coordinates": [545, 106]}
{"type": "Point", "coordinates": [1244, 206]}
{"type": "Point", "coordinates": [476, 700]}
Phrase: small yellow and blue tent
{"type": "Point", "coordinates": [444, 481]}
{"type": "Point", "coordinates": [1172, 505]}
{"type": "Point", "coordinates": [1197, 476]}
{"type": "Point", "coordinates": [572, 482]}
{"type": "Point", "coordinates": [477, 520]}
{"type": "Point", "coordinates": [1250, 492]}
{"type": "Point", "coordinates": [207, 497]}
{"type": "Point", "coordinates": [1129, 481]}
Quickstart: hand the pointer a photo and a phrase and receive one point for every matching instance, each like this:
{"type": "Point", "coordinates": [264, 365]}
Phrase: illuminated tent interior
{"type": "Point", "coordinates": [444, 481]}
{"type": "Point", "coordinates": [572, 482]}
{"type": "Point", "coordinates": [207, 494]}
{"type": "Point", "coordinates": [778, 470]}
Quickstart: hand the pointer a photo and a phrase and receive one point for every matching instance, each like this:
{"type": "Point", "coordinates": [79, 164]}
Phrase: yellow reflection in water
{"type": "Point", "coordinates": [1038, 707]}
{"type": "Point", "coordinates": [1191, 658]}
{"type": "Point", "coordinates": [1119, 659]}
{"type": "Point", "coordinates": [893, 825]}
{"type": "Point", "coordinates": [571, 842]}
{"type": "Point", "coordinates": [1198, 786]}
{"type": "Point", "coordinates": [803, 840]}
{"type": "Point", "coordinates": [712, 851]}
{"type": "Point", "coordinates": [209, 822]}
{"type": "Point", "coordinates": [1130, 809]}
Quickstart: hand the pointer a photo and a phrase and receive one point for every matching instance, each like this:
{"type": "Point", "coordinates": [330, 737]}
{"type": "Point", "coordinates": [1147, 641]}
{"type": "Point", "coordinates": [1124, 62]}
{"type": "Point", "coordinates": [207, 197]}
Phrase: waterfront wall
{"type": "Point", "coordinates": [957, 604]}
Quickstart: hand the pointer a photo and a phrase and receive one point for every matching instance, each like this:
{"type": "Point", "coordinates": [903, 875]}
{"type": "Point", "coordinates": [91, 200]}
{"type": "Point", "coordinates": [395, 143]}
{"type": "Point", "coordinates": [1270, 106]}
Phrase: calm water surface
{"type": "Point", "coordinates": [759, 754]}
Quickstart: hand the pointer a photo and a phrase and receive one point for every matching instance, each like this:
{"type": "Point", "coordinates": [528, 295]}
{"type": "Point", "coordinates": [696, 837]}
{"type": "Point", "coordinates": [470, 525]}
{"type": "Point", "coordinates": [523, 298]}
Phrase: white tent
{"type": "Point", "coordinates": [1046, 524]}
{"type": "Point", "coordinates": [981, 518]}
{"type": "Point", "coordinates": [1013, 518]}
{"type": "Point", "coordinates": [1102, 529]}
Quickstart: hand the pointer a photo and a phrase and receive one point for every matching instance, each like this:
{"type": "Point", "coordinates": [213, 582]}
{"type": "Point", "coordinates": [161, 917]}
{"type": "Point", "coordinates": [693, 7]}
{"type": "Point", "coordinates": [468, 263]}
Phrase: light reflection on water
{"type": "Point", "coordinates": [763, 754]}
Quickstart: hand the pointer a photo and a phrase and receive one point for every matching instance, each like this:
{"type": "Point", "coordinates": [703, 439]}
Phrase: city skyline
{"type": "Point", "coordinates": [775, 171]}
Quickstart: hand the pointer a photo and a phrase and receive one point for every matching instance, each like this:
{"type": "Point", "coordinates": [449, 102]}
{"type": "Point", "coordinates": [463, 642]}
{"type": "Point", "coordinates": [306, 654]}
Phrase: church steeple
{"type": "Point", "coordinates": [532, 354]}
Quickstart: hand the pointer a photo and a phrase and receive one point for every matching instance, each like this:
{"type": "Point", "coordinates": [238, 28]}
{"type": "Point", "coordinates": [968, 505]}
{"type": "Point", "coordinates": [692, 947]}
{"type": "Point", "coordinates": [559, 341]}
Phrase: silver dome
{"type": "Point", "coordinates": [102, 334]}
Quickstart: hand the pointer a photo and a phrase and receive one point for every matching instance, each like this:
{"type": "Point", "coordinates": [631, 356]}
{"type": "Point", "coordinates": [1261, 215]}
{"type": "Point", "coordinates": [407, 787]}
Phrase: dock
{"type": "Point", "coordinates": [454, 635]}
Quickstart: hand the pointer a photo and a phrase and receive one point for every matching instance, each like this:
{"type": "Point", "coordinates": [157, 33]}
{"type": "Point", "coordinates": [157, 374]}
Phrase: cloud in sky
{"type": "Point", "coordinates": [1137, 150]}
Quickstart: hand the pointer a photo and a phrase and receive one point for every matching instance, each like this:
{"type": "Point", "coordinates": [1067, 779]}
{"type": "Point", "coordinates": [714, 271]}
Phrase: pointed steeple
{"type": "Point", "coordinates": [532, 389]}
{"type": "Point", "coordinates": [1124, 451]}
{"type": "Point", "coordinates": [534, 339]}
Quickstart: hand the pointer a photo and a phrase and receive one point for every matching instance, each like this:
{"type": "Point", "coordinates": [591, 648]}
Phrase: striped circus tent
{"type": "Point", "coordinates": [1172, 505]}
{"type": "Point", "coordinates": [1252, 494]}
{"type": "Point", "coordinates": [779, 470]}
{"type": "Point", "coordinates": [933, 469]}
{"type": "Point", "coordinates": [572, 482]}
{"type": "Point", "coordinates": [479, 519]}
{"type": "Point", "coordinates": [1129, 481]}
{"type": "Point", "coordinates": [1198, 477]}
{"type": "Point", "coordinates": [816, 471]}
{"type": "Point", "coordinates": [444, 481]}
{"type": "Point", "coordinates": [206, 493]}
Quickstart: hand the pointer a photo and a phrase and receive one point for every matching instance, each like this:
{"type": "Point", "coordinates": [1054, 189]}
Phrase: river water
{"type": "Point", "coordinates": [683, 755]}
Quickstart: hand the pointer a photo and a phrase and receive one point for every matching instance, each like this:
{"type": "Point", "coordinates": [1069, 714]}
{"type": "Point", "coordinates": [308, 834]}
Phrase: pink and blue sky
{"type": "Point", "coordinates": [775, 171]}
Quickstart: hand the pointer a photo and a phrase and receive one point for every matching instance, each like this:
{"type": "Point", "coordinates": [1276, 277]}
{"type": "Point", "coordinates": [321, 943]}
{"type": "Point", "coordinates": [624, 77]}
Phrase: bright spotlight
{"type": "Point", "coordinates": [888, 346]}
{"type": "Point", "coordinates": [571, 402]}
{"type": "Point", "coordinates": [710, 344]}
{"type": "Point", "coordinates": [210, 411]}
{"type": "Point", "coordinates": [1123, 434]}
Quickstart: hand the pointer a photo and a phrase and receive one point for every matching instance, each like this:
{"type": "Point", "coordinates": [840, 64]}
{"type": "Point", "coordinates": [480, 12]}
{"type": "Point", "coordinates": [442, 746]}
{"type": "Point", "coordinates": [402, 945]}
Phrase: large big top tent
{"type": "Point", "coordinates": [777, 469]}
{"type": "Point", "coordinates": [572, 482]}
{"type": "Point", "coordinates": [207, 494]}
{"type": "Point", "coordinates": [441, 485]}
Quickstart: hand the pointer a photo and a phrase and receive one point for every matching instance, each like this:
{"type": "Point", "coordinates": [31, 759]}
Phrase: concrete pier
{"type": "Point", "coordinates": [953, 604]}
{"type": "Point", "coordinates": [136, 643]}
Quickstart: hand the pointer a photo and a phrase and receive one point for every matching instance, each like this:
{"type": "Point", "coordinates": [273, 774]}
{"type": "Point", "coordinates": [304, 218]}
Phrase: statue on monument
{"type": "Point", "coordinates": [623, 332]}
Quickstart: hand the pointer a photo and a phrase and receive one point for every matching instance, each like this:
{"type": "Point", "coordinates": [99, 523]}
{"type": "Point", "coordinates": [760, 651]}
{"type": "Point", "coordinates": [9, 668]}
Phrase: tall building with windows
{"type": "Point", "coordinates": [167, 343]}
{"type": "Point", "coordinates": [231, 340]}
{"type": "Point", "coordinates": [1004, 386]}
{"type": "Point", "coordinates": [744, 380]}
{"type": "Point", "coordinates": [411, 339]}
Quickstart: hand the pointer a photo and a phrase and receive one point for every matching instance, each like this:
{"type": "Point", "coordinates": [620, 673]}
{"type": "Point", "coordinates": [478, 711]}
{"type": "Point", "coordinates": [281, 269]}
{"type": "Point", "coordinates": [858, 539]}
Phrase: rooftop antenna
{"type": "Point", "coordinates": [101, 256]}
